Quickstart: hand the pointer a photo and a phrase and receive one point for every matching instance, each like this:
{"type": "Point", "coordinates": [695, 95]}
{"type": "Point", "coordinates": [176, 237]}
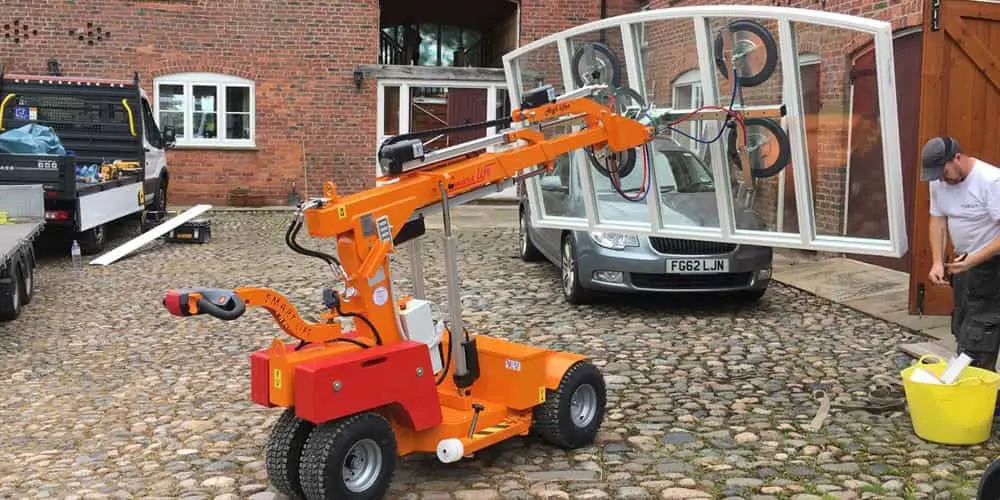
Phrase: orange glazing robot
{"type": "Point", "coordinates": [377, 379]}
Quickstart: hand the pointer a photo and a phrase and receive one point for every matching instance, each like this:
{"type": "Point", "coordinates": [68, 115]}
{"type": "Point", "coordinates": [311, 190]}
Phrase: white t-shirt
{"type": "Point", "coordinates": [971, 206]}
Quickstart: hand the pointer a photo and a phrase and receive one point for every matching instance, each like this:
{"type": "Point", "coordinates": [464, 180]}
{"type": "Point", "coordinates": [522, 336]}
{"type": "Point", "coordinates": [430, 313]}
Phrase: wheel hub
{"type": "Point", "coordinates": [583, 405]}
{"type": "Point", "coordinates": [362, 465]}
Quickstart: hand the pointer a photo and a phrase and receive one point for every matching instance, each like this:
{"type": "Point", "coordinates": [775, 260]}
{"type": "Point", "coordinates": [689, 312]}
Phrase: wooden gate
{"type": "Point", "coordinates": [960, 97]}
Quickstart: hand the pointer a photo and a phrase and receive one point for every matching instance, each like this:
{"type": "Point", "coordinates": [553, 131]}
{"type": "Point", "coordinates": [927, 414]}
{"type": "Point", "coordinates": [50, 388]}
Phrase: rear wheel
{"type": "Point", "coordinates": [28, 273]}
{"type": "Point", "coordinates": [353, 457]}
{"type": "Point", "coordinates": [573, 413]}
{"type": "Point", "coordinates": [92, 240]}
{"type": "Point", "coordinates": [10, 293]}
{"type": "Point", "coordinates": [283, 451]}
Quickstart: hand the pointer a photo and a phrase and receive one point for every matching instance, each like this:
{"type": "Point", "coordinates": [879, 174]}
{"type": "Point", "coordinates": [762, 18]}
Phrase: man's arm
{"type": "Point", "coordinates": [938, 237]}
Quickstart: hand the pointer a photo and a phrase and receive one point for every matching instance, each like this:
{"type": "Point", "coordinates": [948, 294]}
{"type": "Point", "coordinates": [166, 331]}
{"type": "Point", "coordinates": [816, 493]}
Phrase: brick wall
{"type": "Point", "coordinates": [301, 56]}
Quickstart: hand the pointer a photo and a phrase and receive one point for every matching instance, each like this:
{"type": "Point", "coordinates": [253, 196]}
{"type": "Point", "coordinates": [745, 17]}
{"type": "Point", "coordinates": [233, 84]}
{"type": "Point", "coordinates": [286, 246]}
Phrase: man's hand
{"type": "Point", "coordinates": [937, 274]}
{"type": "Point", "coordinates": [962, 264]}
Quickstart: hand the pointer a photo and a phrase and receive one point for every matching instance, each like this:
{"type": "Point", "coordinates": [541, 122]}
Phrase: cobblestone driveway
{"type": "Point", "coordinates": [108, 394]}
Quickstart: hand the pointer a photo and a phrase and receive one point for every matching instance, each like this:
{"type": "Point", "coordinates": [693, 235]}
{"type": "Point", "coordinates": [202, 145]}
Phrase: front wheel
{"type": "Point", "coordinates": [573, 413]}
{"type": "Point", "coordinates": [526, 248]}
{"type": "Point", "coordinates": [572, 289]}
{"type": "Point", "coordinates": [354, 457]}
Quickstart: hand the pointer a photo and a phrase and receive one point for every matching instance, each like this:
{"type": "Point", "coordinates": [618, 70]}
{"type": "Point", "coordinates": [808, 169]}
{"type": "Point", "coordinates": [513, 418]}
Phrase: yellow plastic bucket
{"type": "Point", "coordinates": [958, 413]}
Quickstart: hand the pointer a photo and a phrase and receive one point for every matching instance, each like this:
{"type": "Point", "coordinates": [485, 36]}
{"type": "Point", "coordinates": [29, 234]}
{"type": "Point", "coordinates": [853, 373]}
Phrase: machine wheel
{"type": "Point", "coordinates": [764, 132]}
{"type": "Point", "coordinates": [354, 457]}
{"type": "Point", "coordinates": [573, 413]}
{"type": "Point", "coordinates": [570, 270]}
{"type": "Point", "coordinates": [526, 248]}
{"type": "Point", "coordinates": [10, 294]}
{"type": "Point", "coordinates": [283, 451]}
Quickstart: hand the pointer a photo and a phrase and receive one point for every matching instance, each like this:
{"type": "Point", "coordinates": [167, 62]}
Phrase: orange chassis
{"type": "Point", "coordinates": [340, 384]}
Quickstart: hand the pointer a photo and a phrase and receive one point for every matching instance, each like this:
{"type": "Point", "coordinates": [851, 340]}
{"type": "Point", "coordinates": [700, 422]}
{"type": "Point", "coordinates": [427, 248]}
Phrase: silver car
{"type": "Point", "coordinates": [615, 262]}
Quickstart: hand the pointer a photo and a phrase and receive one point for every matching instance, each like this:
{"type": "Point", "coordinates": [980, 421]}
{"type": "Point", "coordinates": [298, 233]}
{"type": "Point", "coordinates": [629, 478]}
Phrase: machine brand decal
{"type": "Point", "coordinates": [556, 110]}
{"type": "Point", "coordinates": [512, 364]}
{"type": "Point", "coordinates": [384, 229]}
{"type": "Point", "coordinates": [277, 378]}
{"type": "Point", "coordinates": [380, 296]}
{"type": "Point", "coordinates": [48, 165]}
{"type": "Point", "coordinates": [482, 175]}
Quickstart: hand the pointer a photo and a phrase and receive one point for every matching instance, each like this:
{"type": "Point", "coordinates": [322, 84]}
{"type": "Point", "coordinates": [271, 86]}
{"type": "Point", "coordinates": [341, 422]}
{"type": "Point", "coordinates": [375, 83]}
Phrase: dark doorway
{"type": "Point", "coordinates": [867, 215]}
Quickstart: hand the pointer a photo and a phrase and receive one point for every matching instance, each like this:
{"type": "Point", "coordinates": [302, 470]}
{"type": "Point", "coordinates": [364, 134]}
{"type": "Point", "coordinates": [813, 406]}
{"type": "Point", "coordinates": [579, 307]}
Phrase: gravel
{"type": "Point", "coordinates": [111, 397]}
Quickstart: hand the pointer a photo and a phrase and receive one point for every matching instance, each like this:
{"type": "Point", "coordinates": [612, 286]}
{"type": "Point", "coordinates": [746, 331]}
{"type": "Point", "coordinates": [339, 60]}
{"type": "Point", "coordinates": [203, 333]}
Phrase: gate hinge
{"type": "Point", "coordinates": [920, 298]}
{"type": "Point", "coordinates": [935, 15]}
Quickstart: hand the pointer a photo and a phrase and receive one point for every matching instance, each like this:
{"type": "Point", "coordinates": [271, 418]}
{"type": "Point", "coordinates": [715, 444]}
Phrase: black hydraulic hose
{"type": "Point", "coordinates": [378, 338]}
{"type": "Point", "coordinates": [290, 236]}
{"type": "Point", "coordinates": [500, 122]}
{"type": "Point", "coordinates": [447, 363]}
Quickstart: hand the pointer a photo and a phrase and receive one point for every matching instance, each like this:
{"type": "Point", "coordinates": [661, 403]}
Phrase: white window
{"type": "Point", "coordinates": [687, 96]}
{"type": "Point", "coordinates": [206, 109]}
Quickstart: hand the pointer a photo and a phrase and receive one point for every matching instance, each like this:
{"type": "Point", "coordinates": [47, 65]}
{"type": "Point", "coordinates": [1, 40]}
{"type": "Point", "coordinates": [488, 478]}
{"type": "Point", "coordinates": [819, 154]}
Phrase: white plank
{"type": "Point", "coordinates": [149, 236]}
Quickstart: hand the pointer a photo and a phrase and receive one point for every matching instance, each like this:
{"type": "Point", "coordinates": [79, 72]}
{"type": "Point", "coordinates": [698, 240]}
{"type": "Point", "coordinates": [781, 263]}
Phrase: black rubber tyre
{"type": "Point", "coordinates": [10, 293]}
{"type": "Point", "coordinates": [615, 78]}
{"type": "Point", "coordinates": [328, 452]}
{"type": "Point", "coordinates": [92, 240]}
{"type": "Point", "coordinates": [28, 275]}
{"type": "Point", "coordinates": [784, 151]}
{"type": "Point", "coordinates": [558, 422]}
{"type": "Point", "coordinates": [283, 452]}
{"type": "Point", "coordinates": [525, 247]}
{"type": "Point", "coordinates": [770, 47]}
{"type": "Point", "coordinates": [989, 484]}
{"type": "Point", "coordinates": [569, 273]}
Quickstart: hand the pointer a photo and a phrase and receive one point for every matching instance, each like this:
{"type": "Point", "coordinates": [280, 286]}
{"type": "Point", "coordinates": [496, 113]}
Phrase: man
{"type": "Point", "coordinates": [965, 205]}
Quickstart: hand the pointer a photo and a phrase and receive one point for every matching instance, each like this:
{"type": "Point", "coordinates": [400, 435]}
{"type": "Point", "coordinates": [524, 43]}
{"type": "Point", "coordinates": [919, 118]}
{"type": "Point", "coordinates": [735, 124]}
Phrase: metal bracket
{"type": "Point", "coordinates": [935, 15]}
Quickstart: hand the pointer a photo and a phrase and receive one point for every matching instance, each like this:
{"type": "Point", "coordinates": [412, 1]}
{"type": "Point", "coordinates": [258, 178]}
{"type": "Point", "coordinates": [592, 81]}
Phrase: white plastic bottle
{"type": "Point", "coordinates": [76, 255]}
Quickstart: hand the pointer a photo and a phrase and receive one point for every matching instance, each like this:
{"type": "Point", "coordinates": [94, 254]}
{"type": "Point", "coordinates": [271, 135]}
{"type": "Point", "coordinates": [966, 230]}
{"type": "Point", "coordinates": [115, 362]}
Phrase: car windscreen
{"type": "Point", "coordinates": [676, 171]}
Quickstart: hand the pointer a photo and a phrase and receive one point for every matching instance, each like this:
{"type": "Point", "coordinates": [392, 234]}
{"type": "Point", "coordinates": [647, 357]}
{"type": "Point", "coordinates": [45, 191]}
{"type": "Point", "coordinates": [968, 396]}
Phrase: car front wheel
{"type": "Point", "coordinates": [573, 291]}
{"type": "Point", "coordinates": [526, 248]}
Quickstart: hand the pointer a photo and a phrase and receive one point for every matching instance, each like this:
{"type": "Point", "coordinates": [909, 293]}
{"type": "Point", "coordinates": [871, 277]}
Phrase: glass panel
{"type": "Point", "coordinates": [204, 116]}
{"type": "Point", "coordinates": [844, 125]}
{"type": "Point", "coordinates": [237, 112]}
{"type": "Point", "coordinates": [433, 108]}
{"type": "Point", "coordinates": [540, 67]}
{"type": "Point", "coordinates": [171, 98]}
{"type": "Point", "coordinates": [390, 111]}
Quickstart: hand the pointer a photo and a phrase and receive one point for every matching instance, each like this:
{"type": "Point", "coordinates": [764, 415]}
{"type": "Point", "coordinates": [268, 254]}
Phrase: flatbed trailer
{"type": "Point", "coordinates": [22, 220]}
{"type": "Point", "coordinates": [105, 127]}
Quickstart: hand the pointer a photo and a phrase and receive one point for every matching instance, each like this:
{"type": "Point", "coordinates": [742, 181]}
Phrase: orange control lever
{"type": "Point", "coordinates": [231, 304]}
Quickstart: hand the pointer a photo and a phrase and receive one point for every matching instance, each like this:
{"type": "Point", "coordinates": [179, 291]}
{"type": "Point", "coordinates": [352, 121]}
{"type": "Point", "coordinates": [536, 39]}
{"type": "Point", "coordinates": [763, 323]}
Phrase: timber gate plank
{"type": "Point", "coordinates": [960, 97]}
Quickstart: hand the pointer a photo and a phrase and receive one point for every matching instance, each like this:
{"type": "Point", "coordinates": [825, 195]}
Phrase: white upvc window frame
{"type": "Point", "coordinates": [221, 82]}
{"type": "Point", "coordinates": [785, 35]}
{"type": "Point", "coordinates": [692, 79]}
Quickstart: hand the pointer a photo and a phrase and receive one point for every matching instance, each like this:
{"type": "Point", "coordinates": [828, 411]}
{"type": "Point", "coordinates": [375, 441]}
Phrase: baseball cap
{"type": "Point", "coordinates": [936, 153]}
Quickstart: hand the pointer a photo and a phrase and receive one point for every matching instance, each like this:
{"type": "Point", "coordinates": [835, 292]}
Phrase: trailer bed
{"type": "Point", "coordinates": [16, 235]}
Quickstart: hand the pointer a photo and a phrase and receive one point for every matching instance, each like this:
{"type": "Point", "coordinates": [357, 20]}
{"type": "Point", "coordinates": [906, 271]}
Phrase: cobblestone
{"type": "Point", "coordinates": [110, 396]}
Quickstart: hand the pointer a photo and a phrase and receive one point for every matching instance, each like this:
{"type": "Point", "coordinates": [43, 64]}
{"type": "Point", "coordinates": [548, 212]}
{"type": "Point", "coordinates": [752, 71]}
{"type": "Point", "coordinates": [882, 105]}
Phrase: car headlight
{"type": "Point", "coordinates": [615, 241]}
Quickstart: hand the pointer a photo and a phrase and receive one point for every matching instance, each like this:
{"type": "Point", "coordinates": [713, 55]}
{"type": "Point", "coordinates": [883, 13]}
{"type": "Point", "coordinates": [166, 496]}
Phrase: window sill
{"type": "Point", "coordinates": [227, 147]}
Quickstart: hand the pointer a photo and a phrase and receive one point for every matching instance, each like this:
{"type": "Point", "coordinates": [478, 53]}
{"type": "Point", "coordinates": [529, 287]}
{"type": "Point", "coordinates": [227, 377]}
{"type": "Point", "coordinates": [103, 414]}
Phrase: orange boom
{"type": "Point", "coordinates": [377, 379]}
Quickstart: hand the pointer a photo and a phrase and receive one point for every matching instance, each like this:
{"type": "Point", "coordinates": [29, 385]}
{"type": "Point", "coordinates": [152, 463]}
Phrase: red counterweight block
{"type": "Point", "coordinates": [398, 374]}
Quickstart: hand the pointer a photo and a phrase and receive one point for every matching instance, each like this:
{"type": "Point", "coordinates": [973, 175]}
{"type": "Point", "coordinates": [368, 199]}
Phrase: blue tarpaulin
{"type": "Point", "coordinates": [32, 139]}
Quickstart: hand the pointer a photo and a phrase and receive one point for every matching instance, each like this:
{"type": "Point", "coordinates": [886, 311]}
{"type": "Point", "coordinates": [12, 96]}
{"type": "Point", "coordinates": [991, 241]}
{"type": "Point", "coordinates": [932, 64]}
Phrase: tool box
{"type": "Point", "coordinates": [195, 231]}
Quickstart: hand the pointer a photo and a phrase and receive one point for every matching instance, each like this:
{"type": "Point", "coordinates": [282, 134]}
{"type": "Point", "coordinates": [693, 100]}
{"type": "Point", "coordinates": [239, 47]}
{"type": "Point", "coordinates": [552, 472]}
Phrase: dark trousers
{"type": "Point", "coordinates": [975, 320]}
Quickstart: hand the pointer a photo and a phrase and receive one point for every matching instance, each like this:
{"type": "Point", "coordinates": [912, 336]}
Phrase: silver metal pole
{"type": "Point", "coordinates": [417, 268]}
{"type": "Point", "coordinates": [454, 300]}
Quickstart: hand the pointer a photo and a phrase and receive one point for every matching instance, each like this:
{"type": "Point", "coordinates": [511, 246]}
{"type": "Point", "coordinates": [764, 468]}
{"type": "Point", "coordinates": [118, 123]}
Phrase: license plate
{"type": "Point", "coordinates": [687, 266]}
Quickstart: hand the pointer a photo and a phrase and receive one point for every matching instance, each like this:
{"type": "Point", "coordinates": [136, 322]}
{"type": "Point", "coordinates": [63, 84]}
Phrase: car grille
{"type": "Point", "coordinates": [690, 281]}
{"type": "Point", "coordinates": [675, 246]}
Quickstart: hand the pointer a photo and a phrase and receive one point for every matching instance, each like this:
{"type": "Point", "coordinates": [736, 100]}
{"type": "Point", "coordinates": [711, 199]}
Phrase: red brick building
{"type": "Point", "coordinates": [278, 97]}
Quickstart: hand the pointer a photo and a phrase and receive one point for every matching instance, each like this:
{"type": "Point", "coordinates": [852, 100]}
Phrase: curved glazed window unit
{"type": "Point", "coordinates": [761, 165]}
